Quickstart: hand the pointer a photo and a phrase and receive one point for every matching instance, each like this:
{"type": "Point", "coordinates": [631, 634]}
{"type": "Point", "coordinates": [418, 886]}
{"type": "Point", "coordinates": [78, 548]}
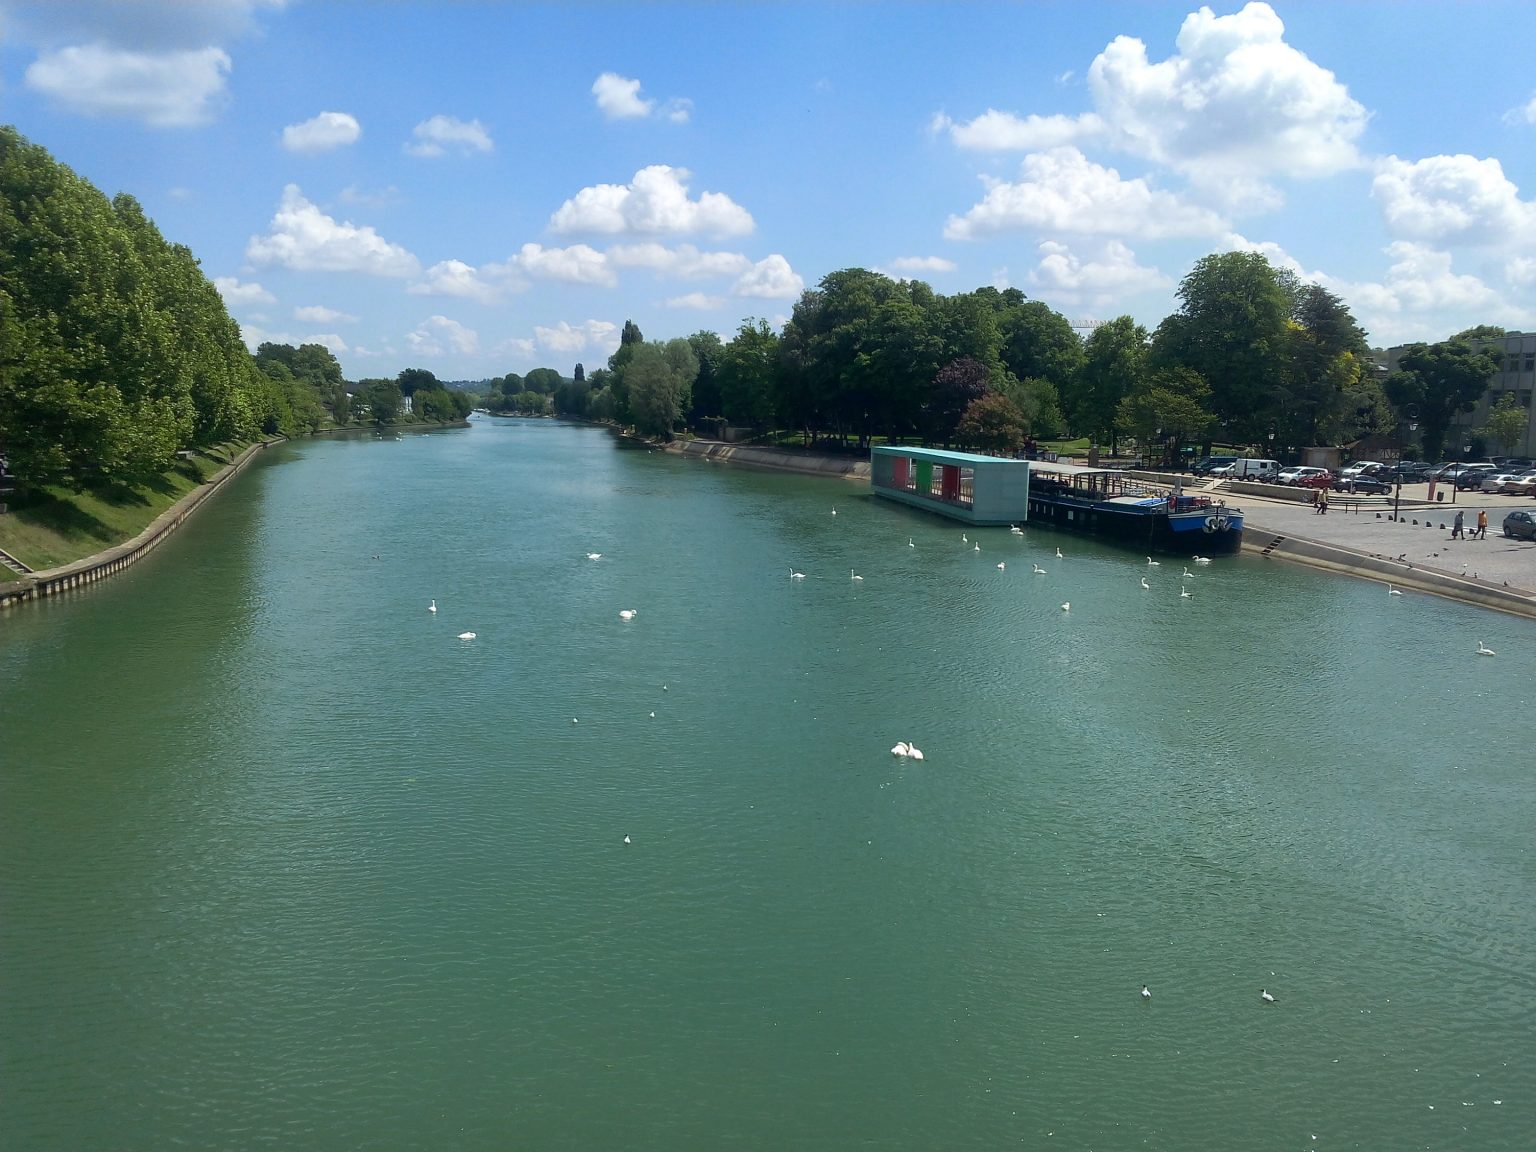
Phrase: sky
{"type": "Point", "coordinates": [484, 188]}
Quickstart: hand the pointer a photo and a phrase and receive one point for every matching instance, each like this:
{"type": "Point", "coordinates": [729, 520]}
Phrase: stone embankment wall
{"type": "Point", "coordinates": [779, 459]}
{"type": "Point", "coordinates": [114, 560]}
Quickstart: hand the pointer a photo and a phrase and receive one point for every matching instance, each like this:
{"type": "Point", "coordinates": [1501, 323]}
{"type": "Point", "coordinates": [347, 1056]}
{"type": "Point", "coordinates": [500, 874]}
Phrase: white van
{"type": "Point", "coordinates": [1246, 468]}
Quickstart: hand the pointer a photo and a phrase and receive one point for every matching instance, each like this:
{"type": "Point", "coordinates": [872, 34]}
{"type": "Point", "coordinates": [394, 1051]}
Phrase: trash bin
{"type": "Point", "coordinates": [1439, 496]}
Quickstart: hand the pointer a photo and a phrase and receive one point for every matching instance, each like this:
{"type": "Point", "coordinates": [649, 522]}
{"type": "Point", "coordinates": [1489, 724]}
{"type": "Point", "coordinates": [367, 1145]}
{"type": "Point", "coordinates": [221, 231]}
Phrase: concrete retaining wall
{"type": "Point", "coordinates": [1334, 558]}
{"type": "Point", "coordinates": [779, 459]}
{"type": "Point", "coordinates": [114, 560]}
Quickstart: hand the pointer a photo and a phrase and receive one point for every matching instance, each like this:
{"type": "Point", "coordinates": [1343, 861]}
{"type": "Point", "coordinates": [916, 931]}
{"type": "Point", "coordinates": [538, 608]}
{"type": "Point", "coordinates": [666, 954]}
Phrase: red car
{"type": "Point", "coordinates": [1316, 480]}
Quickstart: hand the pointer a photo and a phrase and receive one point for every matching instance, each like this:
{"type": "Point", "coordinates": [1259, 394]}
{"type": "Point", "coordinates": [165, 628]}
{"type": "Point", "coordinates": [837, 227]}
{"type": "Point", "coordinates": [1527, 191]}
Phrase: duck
{"type": "Point", "coordinates": [1483, 650]}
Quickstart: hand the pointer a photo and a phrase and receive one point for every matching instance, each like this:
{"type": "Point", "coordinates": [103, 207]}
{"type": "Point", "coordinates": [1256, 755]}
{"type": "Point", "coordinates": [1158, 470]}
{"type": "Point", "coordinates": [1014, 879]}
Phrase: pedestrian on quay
{"type": "Point", "coordinates": [1456, 526]}
{"type": "Point", "coordinates": [1322, 503]}
{"type": "Point", "coordinates": [1482, 524]}
{"type": "Point", "coordinates": [1317, 501]}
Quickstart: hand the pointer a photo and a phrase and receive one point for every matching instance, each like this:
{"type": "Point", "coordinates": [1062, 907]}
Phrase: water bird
{"type": "Point", "coordinates": [653, 715]}
{"type": "Point", "coordinates": [628, 614]}
{"type": "Point", "coordinates": [852, 575]}
{"type": "Point", "coordinates": [1144, 583]}
{"type": "Point", "coordinates": [1059, 556]}
{"type": "Point", "coordinates": [1391, 591]}
{"type": "Point", "coordinates": [1202, 559]}
{"type": "Point", "coordinates": [594, 555]}
{"type": "Point", "coordinates": [793, 575]}
{"type": "Point", "coordinates": [466, 635]}
{"type": "Point", "coordinates": [1266, 997]}
{"type": "Point", "coordinates": [1039, 571]}
{"type": "Point", "coordinates": [901, 749]}
{"type": "Point", "coordinates": [1001, 566]}
{"type": "Point", "coordinates": [1482, 650]}
{"type": "Point", "coordinates": [432, 607]}
{"type": "Point", "coordinates": [909, 543]}
{"type": "Point", "coordinates": [964, 539]}
{"type": "Point", "coordinates": [978, 547]}
{"type": "Point", "coordinates": [1185, 594]}
{"type": "Point", "coordinates": [626, 839]}
{"type": "Point", "coordinates": [574, 720]}
{"type": "Point", "coordinates": [1188, 575]}
{"type": "Point", "coordinates": [914, 751]}
{"type": "Point", "coordinates": [1067, 607]}
{"type": "Point", "coordinates": [1146, 993]}
{"type": "Point", "coordinates": [1151, 563]}
{"type": "Point", "coordinates": [1016, 530]}
{"type": "Point", "coordinates": [834, 511]}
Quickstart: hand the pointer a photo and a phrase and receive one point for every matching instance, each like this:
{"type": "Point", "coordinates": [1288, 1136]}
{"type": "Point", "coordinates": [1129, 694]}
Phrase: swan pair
{"type": "Point", "coordinates": [907, 751]}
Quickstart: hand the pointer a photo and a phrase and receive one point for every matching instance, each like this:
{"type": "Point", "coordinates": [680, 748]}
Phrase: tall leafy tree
{"type": "Point", "coordinates": [1114, 366]}
{"type": "Point", "coordinates": [410, 379]}
{"type": "Point", "coordinates": [994, 424]}
{"type": "Point", "coordinates": [1440, 381]}
{"type": "Point", "coordinates": [1508, 422]}
{"type": "Point", "coordinates": [748, 373]}
{"type": "Point", "coordinates": [708, 348]}
{"type": "Point", "coordinates": [1168, 409]}
{"type": "Point", "coordinates": [660, 378]}
{"type": "Point", "coordinates": [955, 387]}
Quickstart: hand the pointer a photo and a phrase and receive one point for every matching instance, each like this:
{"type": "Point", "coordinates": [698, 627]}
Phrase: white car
{"type": "Point", "coordinates": [1496, 482]}
{"type": "Point", "coordinates": [1296, 475]}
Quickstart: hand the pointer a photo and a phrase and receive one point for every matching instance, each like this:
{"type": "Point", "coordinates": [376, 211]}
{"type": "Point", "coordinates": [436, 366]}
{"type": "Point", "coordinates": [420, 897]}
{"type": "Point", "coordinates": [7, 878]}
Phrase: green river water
{"type": "Point", "coordinates": [284, 864]}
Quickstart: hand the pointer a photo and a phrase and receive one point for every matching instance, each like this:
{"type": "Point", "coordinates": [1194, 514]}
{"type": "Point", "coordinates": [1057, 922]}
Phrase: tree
{"type": "Point", "coordinates": [1114, 366]}
{"type": "Point", "coordinates": [660, 378]}
{"type": "Point", "coordinates": [410, 379]}
{"type": "Point", "coordinates": [1441, 380]}
{"type": "Point", "coordinates": [1322, 400]}
{"type": "Point", "coordinates": [543, 380]}
{"type": "Point", "coordinates": [748, 371]}
{"type": "Point", "coordinates": [708, 348]}
{"type": "Point", "coordinates": [994, 424]}
{"type": "Point", "coordinates": [1233, 329]}
{"type": "Point", "coordinates": [1508, 422]}
{"type": "Point", "coordinates": [1039, 343]}
{"type": "Point", "coordinates": [384, 401]}
{"type": "Point", "coordinates": [580, 375]}
{"type": "Point", "coordinates": [954, 388]}
{"type": "Point", "coordinates": [1169, 411]}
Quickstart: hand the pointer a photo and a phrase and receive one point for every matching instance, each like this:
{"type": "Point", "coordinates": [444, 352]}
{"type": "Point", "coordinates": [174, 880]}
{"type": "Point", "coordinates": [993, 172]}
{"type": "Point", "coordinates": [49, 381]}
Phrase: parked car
{"type": "Point", "coordinates": [1495, 481]}
{"type": "Point", "coordinates": [1322, 478]}
{"type": "Point", "coordinates": [1361, 467]}
{"type": "Point", "coordinates": [1520, 524]}
{"type": "Point", "coordinates": [1208, 464]}
{"type": "Point", "coordinates": [1522, 485]}
{"type": "Point", "coordinates": [1472, 476]}
{"type": "Point", "coordinates": [1293, 474]}
{"type": "Point", "coordinates": [1411, 471]}
{"type": "Point", "coordinates": [1366, 484]}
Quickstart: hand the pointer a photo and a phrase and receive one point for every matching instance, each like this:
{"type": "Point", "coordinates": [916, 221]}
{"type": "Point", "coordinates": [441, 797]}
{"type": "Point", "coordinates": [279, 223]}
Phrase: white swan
{"type": "Point", "coordinates": [626, 839]}
{"type": "Point", "coordinates": [432, 607]}
{"type": "Point", "coordinates": [852, 575]}
{"type": "Point", "coordinates": [1059, 556]}
{"type": "Point", "coordinates": [1185, 594]}
{"type": "Point", "coordinates": [978, 547]}
{"type": "Point", "coordinates": [793, 575]}
{"type": "Point", "coordinates": [628, 614]}
{"type": "Point", "coordinates": [1266, 997]}
{"type": "Point", "coordinates": [1038, 571]}
{"type": "Point", "coordinates": [1146, 993]}
{"type": "Point", "coordinates": [1391, 591]}
{"type": "Point", "coordinates": [964, 539]}
{"type": "Point", "coordinates": [1001, 566]}
{"type": "Point", "coordinates": [594, 555]}
{"type": "Point", "coordinates": [1144, 584]}
{"type": "Point", "coordinates": [909, 543]}
{"type": "Point", "coordinates": [1482, 651]}
{"type": "Point", "coordinates": [1067, 607]}
{"type": "Point", "coordinates": [914, 751]}
{"type": "Point", "coordinates": [901, 749]}
{"type": "Point", "coordinates": [1202, 560]}
{"type": "Point", "coordinates": [466, 635]}
{"type": "Point", "coordinates": [1016, 530]}
{"type": "Point", "coordinates": [834, 511]}
{"type": "Point", "coordinates": [1151, 563]}
{"type": "Point", "coordinates": [1188, 575]}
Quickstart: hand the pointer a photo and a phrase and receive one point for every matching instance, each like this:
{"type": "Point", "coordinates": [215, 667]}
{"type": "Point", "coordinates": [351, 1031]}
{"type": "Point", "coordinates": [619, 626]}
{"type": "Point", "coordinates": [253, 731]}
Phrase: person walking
{"type": "Point", "coordinates": [1456, 526]}
{"type": "Point", "coordinates": [1317, 501]}
{"type": "Point", "coordinates": [1482, 524]}
{"type": "Point", "coordinates": [1322, 503]}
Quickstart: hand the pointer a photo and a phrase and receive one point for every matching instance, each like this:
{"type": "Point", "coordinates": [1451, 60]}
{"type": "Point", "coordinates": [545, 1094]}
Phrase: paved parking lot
{"type": "Point", "coordinates": [1372, 531]}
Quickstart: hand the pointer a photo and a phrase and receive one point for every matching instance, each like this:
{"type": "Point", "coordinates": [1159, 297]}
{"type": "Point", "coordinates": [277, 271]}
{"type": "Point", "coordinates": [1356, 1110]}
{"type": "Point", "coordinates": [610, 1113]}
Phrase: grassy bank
{"type": "Point", "coordinates": [53, 526]}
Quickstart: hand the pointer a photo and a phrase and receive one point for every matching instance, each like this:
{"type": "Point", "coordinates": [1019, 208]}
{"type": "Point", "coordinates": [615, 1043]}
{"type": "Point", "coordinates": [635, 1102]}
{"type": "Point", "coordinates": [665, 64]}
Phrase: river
{"type": "Point", "coordinates": [286, 864]}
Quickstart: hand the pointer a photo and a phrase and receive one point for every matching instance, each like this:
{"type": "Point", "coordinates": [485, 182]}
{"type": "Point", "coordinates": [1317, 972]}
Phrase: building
{"type": "Point", "coordinates": [1517, 375]}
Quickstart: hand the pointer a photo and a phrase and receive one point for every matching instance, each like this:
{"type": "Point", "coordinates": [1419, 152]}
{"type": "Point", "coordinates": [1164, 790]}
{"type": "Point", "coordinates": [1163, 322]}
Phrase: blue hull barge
{"type": "Point", "coordinates": [1112, 503]}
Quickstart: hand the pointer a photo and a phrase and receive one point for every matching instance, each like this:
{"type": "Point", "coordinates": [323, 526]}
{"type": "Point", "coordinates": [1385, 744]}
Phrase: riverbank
{"type": "Point", "coordinates": [1415, 553]}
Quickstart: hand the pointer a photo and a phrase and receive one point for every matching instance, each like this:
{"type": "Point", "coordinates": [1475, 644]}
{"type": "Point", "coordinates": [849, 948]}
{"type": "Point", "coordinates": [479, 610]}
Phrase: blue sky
{"type": "Point", "coordinates": [483, 188]}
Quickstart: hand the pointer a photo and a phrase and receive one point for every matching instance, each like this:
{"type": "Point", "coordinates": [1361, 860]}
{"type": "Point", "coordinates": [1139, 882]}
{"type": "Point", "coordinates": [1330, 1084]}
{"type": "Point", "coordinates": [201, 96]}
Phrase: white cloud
{"type": "Point", "coordinates": [237, 294]}
{"type": "Point", "coordinates": [598, 334]}
{"type": "Point", "coordinates": [319, 314]}
{"type": "Point", "coordinates": [440, 336]}
{"type": "Point", "coordinates": [441, 134]}
{"type": "Point", "coordinates": [995, 131]}
{"type": "Point", "coordinates": [1453, 199]}
{"type": "Point", "coordinates": [679, 109]}
{"type": "Point", "coordinates": [323, 133]}
{"type": "Point", "coordinates": [1525, 114]}
{"type": "Point", "coordinates": [655, 203]}
{"type": "Point", "coordinates": [1520, 271]}
{"type": "Point", "coordinates": [455, 278]}
{"type": "Point", "coordinates": [329, 340]}
{"type": "Point", "coordinates": [1062, 191]}
{"type": "Point", "coordinates": [148, 25]}
{"type": "Point", "coordinates": [697, 300]}
{"type": "Point", "coordinates": [1236, 100]}
{"type": "Point", "coordinates": [684, 261]}
{"type": "Point", "coordinates": [619, 97]}
{"type": "Point", "coordinates": [1097, 282]}
{"type": "Point", "coordinates": [163, 89]}
{"type": "Point", "coordinates": [904, 264]}
{"type": "Point", "coordinates": [578, 264]}
{"type": "Point", "coordinates": [769, 279]}
{"type": "Point", "coordinates": [304, 238]}
{"type": "Point", "coordinates": [372, 198]}
{"type": "Point", "coordinates": [1422, 298]}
